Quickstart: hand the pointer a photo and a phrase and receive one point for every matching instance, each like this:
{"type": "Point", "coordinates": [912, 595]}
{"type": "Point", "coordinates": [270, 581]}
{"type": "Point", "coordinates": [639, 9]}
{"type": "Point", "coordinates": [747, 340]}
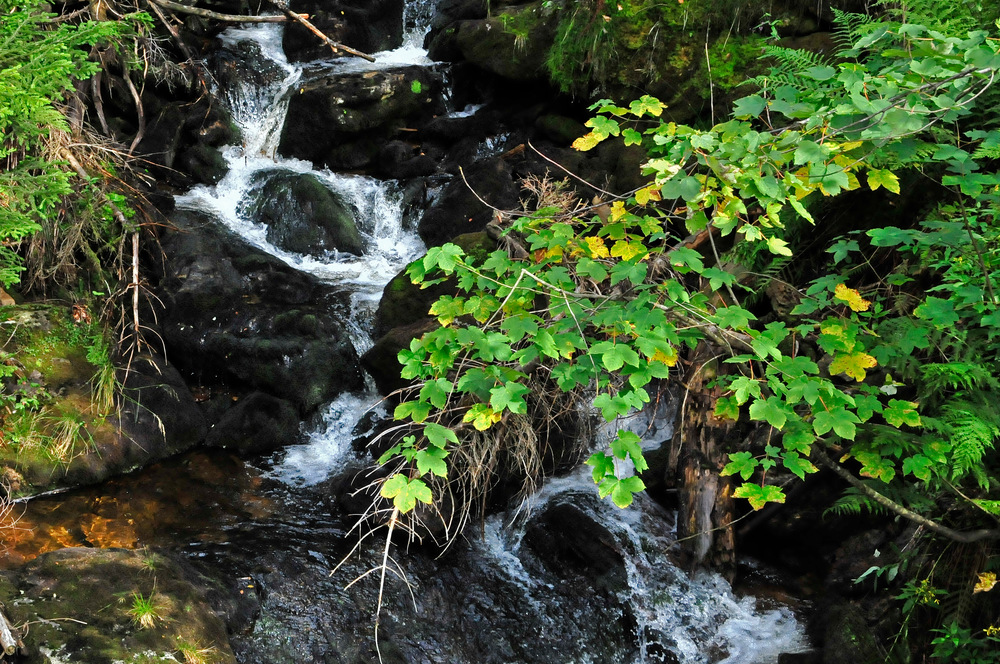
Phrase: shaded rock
{"type": "Point", "coordinates": [356, 107]}
{"type": "Point", "coordinates": [458, 209]}
{"type": "Point", "coordinates": [258, 423]}
{"type": "Point", "coordinates": [380, 361]}
{"type": "Point", "coordinates": [301, 214]}
{"type": "Point", "coordinates": [239, 316]}
{"type": "Point", "coordinates": [92, 592]}
{"type": "Point", "coordinates": [560, 129]}
{"type": "Point", "coordinates": [204, 163]}
{"type": "Point", "coordinates": [364, 25]}
{"type": "Point", "coordinates": [162, 139]}
{"type": "Point", "coordinates": [570, 542]}
{"type": "Point", "coordinates": [512, 43]}
{"type": "Point", "coordinates": [404, 302]}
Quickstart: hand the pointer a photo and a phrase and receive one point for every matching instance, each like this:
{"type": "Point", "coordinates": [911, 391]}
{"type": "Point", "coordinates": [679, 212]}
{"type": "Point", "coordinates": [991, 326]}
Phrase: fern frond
{"type": "Point", "coordinates": [788, 66]}
{"type": "Point", "coordinates": [853, 503]}
{"type": "Point", "coordinates": [973, 430]}
{"type": "Point", "coordinates": [958, 376]}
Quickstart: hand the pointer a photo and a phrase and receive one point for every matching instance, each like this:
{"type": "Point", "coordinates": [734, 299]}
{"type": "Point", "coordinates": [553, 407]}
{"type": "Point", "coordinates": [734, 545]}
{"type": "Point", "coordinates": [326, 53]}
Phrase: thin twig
{"type": "Point", "coordinates": [216, 16]}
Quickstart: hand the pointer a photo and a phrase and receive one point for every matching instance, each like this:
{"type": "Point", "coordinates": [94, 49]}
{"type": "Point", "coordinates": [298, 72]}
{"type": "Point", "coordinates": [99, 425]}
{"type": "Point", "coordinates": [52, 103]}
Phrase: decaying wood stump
{"type": "Point", "coordinates": [701, 445]}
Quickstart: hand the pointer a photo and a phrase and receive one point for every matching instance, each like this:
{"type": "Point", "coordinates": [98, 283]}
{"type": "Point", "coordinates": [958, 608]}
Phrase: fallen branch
{"type": "Point", "coordinates": [304, 20]}
{"type": "Point", "coordinates": [206, 13]}
{"type": "Point", "coordinates": [966, 537]}
{"type": "Point", "coordinates": [7, 640]}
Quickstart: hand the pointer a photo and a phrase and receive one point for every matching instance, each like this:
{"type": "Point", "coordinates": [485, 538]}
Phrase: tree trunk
{"type": "Point", "coordinates": [700, 451]}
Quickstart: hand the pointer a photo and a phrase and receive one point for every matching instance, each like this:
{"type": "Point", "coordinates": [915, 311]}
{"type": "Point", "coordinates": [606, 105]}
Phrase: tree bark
{"type": "Point", "coordinates": [700, 451]}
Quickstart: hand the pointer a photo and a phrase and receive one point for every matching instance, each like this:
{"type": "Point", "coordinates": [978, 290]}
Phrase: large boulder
{"type": "Point", "coordinates": [460, 208]}
{"type": "Point", "coordinates": [112, 606]}
{"type": "Point", "coordinates": [301, 214]}
{"type": "Point", "coordinates": [365, 25]}
{"type": "Point", "coordinates": [342, 120]}
{"type": "Point", "coordinates": [258, 423]}
{"type": "Point", "coordinates": [237, 316]}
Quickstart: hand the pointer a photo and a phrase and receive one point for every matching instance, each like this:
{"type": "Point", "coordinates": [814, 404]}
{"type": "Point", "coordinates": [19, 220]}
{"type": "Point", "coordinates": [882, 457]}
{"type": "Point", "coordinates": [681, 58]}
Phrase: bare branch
{"type": "Point", "coordinates": [216, 16]}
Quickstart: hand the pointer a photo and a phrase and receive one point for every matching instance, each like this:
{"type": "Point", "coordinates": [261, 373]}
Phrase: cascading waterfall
{"type": "Point", "coordinates": [677, 618]}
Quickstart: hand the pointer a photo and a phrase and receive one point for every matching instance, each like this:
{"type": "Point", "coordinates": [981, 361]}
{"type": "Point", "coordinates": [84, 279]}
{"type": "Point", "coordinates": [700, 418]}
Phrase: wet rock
{"type": "Point", "coordinates": [512, 43]}
{"type": "Point", "coordinates": [368, 26]}
{"type": "Point", "coordinates": [380, 361]}
{"type": "Point", "coordinates": [237, 316]}
{"type": "Point", "coordinates": [353, 108]}
{"type": "Point", "coordinates": [301, 214]}
{"type": "Point", "coordinates": [204, 163]}
{"type": "Point", "coordinates": [404, 302]}
{"type": "Point", "coordinates": [458, 209]}
{"type": "Point", "coordinates": [258, 423]}
{"type": "Point", "coordinates": [569, 542]}
{"type": "Point", "coordinates": [94, 594]}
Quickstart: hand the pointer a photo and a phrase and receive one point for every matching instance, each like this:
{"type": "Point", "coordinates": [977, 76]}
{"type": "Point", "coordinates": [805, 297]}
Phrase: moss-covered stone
{"type": "Point", "coordinates": [83, 606]}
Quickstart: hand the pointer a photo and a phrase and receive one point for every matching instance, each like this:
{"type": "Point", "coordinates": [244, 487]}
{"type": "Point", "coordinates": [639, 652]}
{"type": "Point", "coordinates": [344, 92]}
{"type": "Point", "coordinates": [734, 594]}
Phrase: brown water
{"type": "Point", "coordinates": [195, 499]}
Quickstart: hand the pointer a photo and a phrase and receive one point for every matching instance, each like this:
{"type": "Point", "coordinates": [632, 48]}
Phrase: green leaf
{"type": "Point", "coordinates": [742, 463]}
{"type": "Point", "coordinates": [749, 107]}
{"type": "Point", "coordinates": [439, 436]}
{"type": "Point", "coordinates": [809, 152]}
{"type": "Point", "coordinates": [415, 410]}
{"type": "Point", "coordinates": [758, 495]}
{"type": "Point", "coordinates": [632, 137]}
{"type": "Point", "coordinates": [838, 420]}
{"type": "Point", "coordinates": [745, 388]}
{"type": "Point", "coordinates": [603, 465]}
{"type": "Point", "coordinates": [940, 313]}
{"type": "Point", "coordinates": [919, 466]}
{"type": "Point", "coordinates": [727, 408]}
{"type": "Point", "coordinates": [603, 127]}
{"type": "Point", "coordinates": [798, 465]}
{"type": "Point", "coordinates": [772, 410]}
{"type": "Point", "coordinates": [405, 492]}
{"type": "Point", "coordinates": [647, 105]}
{"type": "Point", "coordinates": [624, 491]}
{"type": "Point", "coordinates": [436, 392]}
{"type": "Point", "coordinates": [627, 445]}
{"type": "Point", "coordinates": [432, 461]}
{"type": "Point", "coordinates": [509, 396]}
{"type": "Point", "coordinates": [883, 178]}
{"type": "Point", "coordinates": [899, 413]}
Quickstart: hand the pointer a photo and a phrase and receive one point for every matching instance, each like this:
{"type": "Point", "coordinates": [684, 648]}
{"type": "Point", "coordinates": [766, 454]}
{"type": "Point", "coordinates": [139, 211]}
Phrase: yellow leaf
{"type": "Point", "coordinates": [986, 582]}
{"type": "Point", "coordinates": [617, 210]}
{"type": "Point", "coordinates": [833, 329]}
{"type": "Point", "coordinates": [669, 359]}
{"type": "Point", "coordinates": [586, 142]}
{"type": "Point", "coordinates": [626, 250]}
{"type": "Point", "coordinates": [596, 247]}
{"type": "Point", "coordinates": [850, 145]}
{"type": "Point", "coordinates": [651, 193]}
{"type": "Point", "coordinates": [853, 364]}
{"type": "Point", "coordinates": [851, 297]}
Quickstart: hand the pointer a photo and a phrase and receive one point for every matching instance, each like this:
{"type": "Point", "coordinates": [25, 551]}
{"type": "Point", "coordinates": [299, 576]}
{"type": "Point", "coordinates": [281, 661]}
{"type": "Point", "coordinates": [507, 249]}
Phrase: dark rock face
{"type": "Point", "coordinates": [258, 423]}
{"type": "Point", "coordinates": [302, 215]}
{"type": "Point", "coordinates": [513, 44]}
{"type": "Point", "coordinates": [365, 25]}
{"type": "Point", "coordinates": [239, 316]}
{"type": "Point", "coordinates": [380, 361]}
{"type": "Point", "coordinates": [93, 590]}
{"type": "Point", "coordinates": [357, 113]}
{"type": "Point", "coordinates": [458, 209]}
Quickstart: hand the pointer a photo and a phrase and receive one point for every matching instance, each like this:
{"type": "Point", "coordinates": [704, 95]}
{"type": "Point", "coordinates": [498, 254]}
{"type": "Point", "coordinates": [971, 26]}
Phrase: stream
{"type": "Point", "coordinates": [565, 578]}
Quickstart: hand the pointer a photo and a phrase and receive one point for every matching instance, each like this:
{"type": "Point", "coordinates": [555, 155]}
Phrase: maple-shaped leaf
{"type": "Point", "coordinates": [596, 247]}
{"type": "Point", "coordinates": [405, 492]}
{"type": "Point", "coordinates": [851, 297]}
{"type": "Point", "coordinates": [587, 142]}
{"type": "Point", "coordinates": [880, 177]}
{"type": "Point", "coordinates": [758, 496]}
{"type": "Point", "coordinates": [853, 364]}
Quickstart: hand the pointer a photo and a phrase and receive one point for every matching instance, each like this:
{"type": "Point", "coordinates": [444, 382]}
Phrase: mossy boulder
{"type": "Point", "coordinates": [85, 605]}
{"type": "Point", "coordinates": [70, 416]}
{"type": "Point", "coordinates": [301, 214]}
{"type": "Point", "coordinates": [512, 43]}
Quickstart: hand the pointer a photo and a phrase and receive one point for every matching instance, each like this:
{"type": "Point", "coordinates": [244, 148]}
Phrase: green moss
{"type": "Point", "coordinates": [636, 42]}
